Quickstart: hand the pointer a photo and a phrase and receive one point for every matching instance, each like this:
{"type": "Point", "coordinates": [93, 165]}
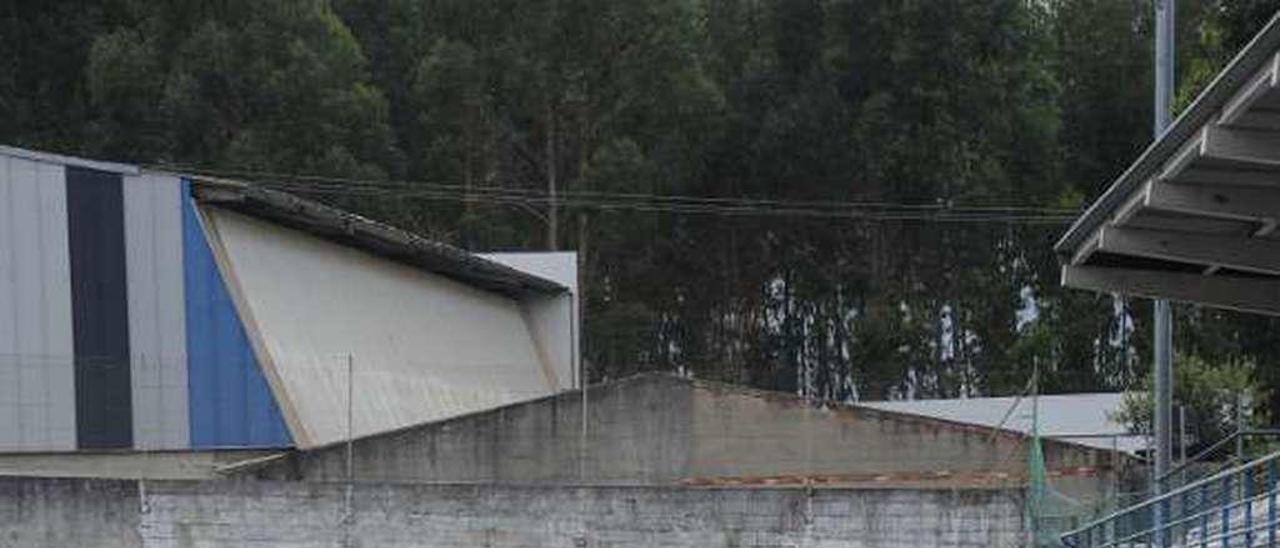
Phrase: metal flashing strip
{"type": "Point", "coordinates": [371, 236]}
{"type": "Point", "coordinates": [1203, 110]}
{"type": "Point", "coordinates": [69, 161]}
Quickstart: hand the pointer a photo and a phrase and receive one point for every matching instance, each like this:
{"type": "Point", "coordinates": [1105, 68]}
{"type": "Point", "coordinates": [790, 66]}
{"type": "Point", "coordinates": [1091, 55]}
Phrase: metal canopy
{"type": "Point", "coordinates": [1195, 217]}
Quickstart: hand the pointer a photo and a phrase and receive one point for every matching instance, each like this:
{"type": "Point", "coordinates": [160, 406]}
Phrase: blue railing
{"type": "Point", "coordinates": [1233, 508]}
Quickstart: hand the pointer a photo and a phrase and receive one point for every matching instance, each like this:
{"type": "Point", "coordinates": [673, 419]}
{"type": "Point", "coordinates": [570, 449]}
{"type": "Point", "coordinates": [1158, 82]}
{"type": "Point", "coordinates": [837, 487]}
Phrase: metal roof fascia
{"type": "Point", "coordinates": [291, 209]}
{"type": "Point", "coordinates": [51, 158]}
{"type": "Point", "coordinates": [1224, 86]}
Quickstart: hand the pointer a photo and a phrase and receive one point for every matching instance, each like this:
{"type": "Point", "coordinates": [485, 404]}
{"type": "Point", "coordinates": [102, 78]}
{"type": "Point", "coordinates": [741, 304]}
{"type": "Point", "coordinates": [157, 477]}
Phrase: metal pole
{"type": "Point", "coordinates": [350, 415]}
{"type": "Point", "coordinates": [583, 379]}
{"type": "Point", "coordinates": [1182, 444]}
{"type": "Point", "coordinates": [1240, 427]}
{"type": "Point", "coordinates": [349, 494]}
{"type": "Point", "coordinates": [1163, 335]}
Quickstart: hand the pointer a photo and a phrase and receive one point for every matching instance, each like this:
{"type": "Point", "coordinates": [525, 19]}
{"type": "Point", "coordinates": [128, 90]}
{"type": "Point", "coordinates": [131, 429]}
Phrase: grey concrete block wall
{"type": "Point", "coordinates": [639, 431]}
{"type": "Point", "coordinates": [664, 430]}
{"type": "Point", "coordinates": [62, 513]}
{"type": "Point", "coordinates": [183, 514]}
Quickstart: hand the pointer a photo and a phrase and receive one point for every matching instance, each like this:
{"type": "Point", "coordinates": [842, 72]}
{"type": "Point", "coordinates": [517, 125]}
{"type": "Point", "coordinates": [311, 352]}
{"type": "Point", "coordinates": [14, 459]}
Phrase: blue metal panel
{"type": "Point", "coordinates": [230, 402]}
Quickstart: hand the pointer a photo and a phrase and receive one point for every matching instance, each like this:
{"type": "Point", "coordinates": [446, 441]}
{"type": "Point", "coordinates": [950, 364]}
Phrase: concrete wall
{"type": "Point", "coordinates": [639, 432]}
{"type": "Point", "coordinates": [67, 513]}
{"type": "Point", "coordinates": [658, 429]}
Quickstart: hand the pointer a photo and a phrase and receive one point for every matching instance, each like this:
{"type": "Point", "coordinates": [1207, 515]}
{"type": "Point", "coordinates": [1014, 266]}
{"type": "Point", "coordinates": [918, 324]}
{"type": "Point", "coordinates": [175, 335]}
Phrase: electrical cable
{"type": "Point", "coordinates": [642, 202]}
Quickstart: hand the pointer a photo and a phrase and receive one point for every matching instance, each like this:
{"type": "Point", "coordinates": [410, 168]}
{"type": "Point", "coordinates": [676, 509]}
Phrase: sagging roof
{"type": "Point", "coordinates": [361, 232]}
{"type": "Point", "coordinates": [1194, 218]}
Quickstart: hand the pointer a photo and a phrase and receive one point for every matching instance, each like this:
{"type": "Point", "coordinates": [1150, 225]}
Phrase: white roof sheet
{"type": "Point", "coordinates": [1086, 419]}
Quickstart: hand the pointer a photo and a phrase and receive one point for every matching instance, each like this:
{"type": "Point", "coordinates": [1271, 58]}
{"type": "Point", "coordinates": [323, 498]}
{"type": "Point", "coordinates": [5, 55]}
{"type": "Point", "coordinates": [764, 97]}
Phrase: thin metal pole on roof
{"type": "Point", "coordinates": [583, 374]}
{"type": "Point", "coordinates": [1163, 315]}
{"type": "Point", "coordinates": [349, 516]}
{"type": "Point", "coordinates": [351, 390]}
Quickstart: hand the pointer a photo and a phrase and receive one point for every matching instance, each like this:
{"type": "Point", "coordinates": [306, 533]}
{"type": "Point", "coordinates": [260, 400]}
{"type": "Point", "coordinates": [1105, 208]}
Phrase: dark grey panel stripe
{"type": "Point", "coordinates": [99, 308]}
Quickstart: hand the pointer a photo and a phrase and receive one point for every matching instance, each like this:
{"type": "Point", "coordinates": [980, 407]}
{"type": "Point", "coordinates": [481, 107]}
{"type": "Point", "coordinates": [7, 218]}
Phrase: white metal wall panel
{"type": "Point", "coordinates": [423, 347]}
{"type": "Point", "coordinates": [552, 319]}
{"type": "Point", "coordinates": [37, 387]}
{"type": "Point", "coordinates": [157, 318]}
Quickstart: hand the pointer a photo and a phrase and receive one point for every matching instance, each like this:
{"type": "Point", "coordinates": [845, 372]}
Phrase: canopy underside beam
{"type": "Point", "coordinates": [1257, 295]}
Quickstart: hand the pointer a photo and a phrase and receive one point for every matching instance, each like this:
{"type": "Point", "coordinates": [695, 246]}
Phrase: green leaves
{"type": "Point", "coordinates": [930, 104]}
{"type": "Point", "coordinates": [278, 86]}
{"type": "Point", "coordinates": [1210, 392]}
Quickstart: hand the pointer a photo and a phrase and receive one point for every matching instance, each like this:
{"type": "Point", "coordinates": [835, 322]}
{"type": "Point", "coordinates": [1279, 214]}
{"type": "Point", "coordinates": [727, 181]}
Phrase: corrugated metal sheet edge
{"type": "Point", "coordinates": [51, 158]}
{"type": "Point", "coordinates": [1223, 87]}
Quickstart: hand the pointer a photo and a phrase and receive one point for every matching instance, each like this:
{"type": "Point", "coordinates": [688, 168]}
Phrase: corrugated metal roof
{"type": "Point", "coordinates": [1194, 218]}
{"type": "Point", "coordinates": [361, 232]}
{"type": "Point", "coordinates": [336, 225]}
{"type": "Point", "coordinates": [1189, 123]}
{"type": "Point", "coordinates": [1086, 419]}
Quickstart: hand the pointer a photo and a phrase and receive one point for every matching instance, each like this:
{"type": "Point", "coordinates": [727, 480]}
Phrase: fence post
{"type": "Point", "coordinates": [1226, 512]}
{"type": "Point", "coordinates": [1204, 514]}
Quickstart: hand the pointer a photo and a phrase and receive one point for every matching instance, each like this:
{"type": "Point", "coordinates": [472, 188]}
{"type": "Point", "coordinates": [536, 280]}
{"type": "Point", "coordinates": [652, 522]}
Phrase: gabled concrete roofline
{"type": "Point", "coordinates": [624, 383]}
{"type": "Point", "coordinates": [901, 416]}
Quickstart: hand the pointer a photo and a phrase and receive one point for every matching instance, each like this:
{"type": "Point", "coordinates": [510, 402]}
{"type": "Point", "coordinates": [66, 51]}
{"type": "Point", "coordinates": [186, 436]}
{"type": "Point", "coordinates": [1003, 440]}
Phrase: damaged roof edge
{"type": "Point", "coordinates": [1248, 61]}
{"type": "Point", "coordinates": [363, 233]}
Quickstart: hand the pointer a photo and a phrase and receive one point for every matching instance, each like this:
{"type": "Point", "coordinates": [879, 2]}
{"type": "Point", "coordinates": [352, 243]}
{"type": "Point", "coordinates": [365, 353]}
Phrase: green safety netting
{"type": "Point", "coordinates": [1049, 512]}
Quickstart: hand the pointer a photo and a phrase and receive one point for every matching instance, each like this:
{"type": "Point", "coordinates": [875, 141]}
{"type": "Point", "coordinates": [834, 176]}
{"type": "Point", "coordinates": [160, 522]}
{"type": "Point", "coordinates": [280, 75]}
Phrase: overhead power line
{"type": "Point", "coordinates": [644, 202]}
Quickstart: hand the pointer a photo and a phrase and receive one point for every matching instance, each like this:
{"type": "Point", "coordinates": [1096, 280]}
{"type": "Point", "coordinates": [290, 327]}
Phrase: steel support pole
{"type": "Point", "coordinates": [1163, 336]}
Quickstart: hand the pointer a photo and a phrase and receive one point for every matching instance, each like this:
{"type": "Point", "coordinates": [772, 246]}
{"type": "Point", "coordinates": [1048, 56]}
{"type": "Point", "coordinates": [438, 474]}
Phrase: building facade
{"type": "Point", "coordinates": [159, 311]}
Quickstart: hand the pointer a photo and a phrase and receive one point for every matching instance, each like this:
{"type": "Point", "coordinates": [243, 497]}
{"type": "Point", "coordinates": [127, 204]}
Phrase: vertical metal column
{"type": "Point", "coordinates": [1163, 335]}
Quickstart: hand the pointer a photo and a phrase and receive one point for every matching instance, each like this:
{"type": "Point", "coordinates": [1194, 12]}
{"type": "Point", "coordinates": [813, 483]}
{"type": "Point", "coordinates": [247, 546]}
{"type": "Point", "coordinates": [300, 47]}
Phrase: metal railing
{"type": "Point", "coordinates": [1235, 507]}
{"type": "Point", "coordinates": [1204, 462]}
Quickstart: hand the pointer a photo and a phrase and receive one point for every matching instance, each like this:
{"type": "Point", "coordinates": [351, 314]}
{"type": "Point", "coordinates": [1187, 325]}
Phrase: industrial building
{"type": "Point", "coordinates": [159, 311]}
{"type": "Point", "coordinates": [196, 361]}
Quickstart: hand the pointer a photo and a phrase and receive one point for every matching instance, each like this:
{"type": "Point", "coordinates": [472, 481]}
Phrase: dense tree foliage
{"type": "Point", "coordinates": [460, 119]}
{"type": "Point", "coordinates": [1217, 399]}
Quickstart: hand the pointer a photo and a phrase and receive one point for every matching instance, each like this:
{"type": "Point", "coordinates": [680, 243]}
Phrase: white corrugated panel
{"type": "Point", "coordinates": [424, 347]}
{"type": "Point", "coordinates": [37, 383]}
{"type": "Point", "coordinates": [1087, 419]}
{"type": "Point", "coordinates": [552, 319]}
{"type": "Point", "coordinates": [157, 319]}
